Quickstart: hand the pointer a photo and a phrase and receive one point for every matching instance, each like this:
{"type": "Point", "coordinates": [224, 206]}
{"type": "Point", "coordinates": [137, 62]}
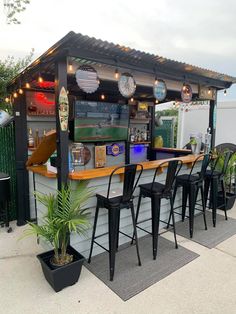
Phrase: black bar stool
{"type": "Point", "coordinates": [213, 178]}
{"type": "Point", "coordinates": [191, 184]}
{"type": "Point", "coordinates": [114, 201]}
{"type": "Point", "coordinates": [156, 191]}
{"type": "Point", "coordinates": [5, 197]}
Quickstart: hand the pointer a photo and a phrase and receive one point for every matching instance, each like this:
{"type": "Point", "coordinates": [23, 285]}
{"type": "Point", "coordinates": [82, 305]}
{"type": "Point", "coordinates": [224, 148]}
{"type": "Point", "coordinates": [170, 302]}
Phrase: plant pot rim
{"type": "Point", "coordinates": [42, 256]}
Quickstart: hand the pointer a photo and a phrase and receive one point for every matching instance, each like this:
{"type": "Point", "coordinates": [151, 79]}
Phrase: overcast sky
{"type": "Point", "coordinates": [201, 32]}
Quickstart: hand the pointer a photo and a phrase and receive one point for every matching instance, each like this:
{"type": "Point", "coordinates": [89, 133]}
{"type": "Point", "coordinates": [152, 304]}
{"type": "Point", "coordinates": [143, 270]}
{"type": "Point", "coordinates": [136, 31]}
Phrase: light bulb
{"type": "Point", "coordinates": [156, 101]}
{"type": "Point", "coordinates": [15, 95]}
{"type": "Point", "coordinates": [40, 79]}
{"type": "Point", "coordinates": [27, 85]}
{"type": "Point", "coordinates": [20, 90]}
{"type": "Point", "coordinates": [7, 99]}
{"type": "Point", "coordinates": [132, 99]}
{"type": "Point", "coordinates": [102, 96]}
{"type": "Point", "coordinates": [156, 81]}
{"type": "Point", "coordinates": [116, 74]}
{"type": "Point", "coordinates": [70, 67]}
{"type": "Point", "coordinates": [209, 91]}
{"type": "Point", "coordinates": [225, 92]}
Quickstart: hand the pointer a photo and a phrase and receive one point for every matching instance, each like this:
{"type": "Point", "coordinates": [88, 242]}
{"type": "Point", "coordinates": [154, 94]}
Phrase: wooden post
{"type": "Point", "coordinates": [62, 136]}
{"type": "Point", "coordinates": [21, 144]}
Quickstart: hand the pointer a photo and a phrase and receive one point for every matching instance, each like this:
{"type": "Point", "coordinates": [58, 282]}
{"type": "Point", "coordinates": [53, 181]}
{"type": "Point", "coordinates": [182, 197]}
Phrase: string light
{"type": "Point", "coordinates": [40, 79]}
{"type": "Point", "coordinates": [132, 99]}
{"type": "Point", "coordinates": [15, 95]}
{"type": "Point", "coordinates": [20, 90]}
{"type": "Point", "coordinates": [7, 99]}
{"type": "Point", "coordinates": [225, 92]}
{"type": "Point", "coordinates": [70, 67]}
{"type": "Point", "coordinates": [27, 85]}
{"type": "Point", "coordinates": [116, 74]}
{"type": "Point", "coordinates": [102, 96]}
{"type": "Point", "coordinates": [156, 101]}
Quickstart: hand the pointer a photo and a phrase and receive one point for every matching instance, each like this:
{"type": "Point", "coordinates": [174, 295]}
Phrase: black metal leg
{"type": "Point", "coordinates": [203, 207]}
{"type": "Point", "coordinates": [184, 201]}
{"type": "Point", "coordinates": [224, 198]}
{"type": "Point", "coordinates": [214, 192]}
{"type": "Point", "coordinates": [112, 217]}
{"type": "Point", "coordinates": [192, 197]}
{"type": "Point", "coordinates": [174, 194]}
{"type": "Point", "coordinates": [94, 231]}
{"type": "Point", "coordinates": [156, 202]}
{"type": "Point", "coordinates": [173, 220]}
{"type": "Point", "coordinates": [135, 233]}
{"type": "Point", "coordinates": [137, 213]}
{"type": "Point", "coordinates": [206, 189]}
{"type": "Point", "coordinates": [7, 213]}
{"type": "Point", "coordinates": [118, 229]}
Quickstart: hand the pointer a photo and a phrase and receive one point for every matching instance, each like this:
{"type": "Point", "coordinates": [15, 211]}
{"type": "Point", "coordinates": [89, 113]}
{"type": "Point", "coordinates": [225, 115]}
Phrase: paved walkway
{"type": "Point", "coordinates": [206, 285]}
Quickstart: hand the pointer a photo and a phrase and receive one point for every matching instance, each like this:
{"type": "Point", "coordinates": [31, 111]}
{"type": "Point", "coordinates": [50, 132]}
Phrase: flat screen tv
{"type": "Point", "coordinates": [100, 121]}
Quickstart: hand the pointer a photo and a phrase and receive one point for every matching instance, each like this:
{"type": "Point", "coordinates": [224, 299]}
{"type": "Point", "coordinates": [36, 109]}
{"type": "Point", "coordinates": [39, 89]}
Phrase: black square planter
{"type": "Point", "coordinates": [62, 276]}
{"type": "Point", "coordinates": [230, 199]}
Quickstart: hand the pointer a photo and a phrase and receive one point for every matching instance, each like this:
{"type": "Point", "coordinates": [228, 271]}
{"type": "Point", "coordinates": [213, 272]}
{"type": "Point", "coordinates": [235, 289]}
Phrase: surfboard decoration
{"type": "Point", "coordinates": [63, 109]}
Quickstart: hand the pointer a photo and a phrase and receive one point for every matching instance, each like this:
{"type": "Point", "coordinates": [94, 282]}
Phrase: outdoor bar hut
{"type": "Point", "coordinates": [113, 90]}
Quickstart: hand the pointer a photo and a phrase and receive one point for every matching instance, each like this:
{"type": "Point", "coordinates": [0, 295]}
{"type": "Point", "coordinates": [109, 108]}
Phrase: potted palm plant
{"type": "Point", "coordinates": [65, 214]}
{"type": "Point", "coordinates": [229, 179]}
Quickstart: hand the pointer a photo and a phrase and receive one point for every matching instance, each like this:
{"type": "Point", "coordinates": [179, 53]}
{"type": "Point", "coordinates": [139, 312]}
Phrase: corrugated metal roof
{"type": "Point", "coordinates": [83, 46]}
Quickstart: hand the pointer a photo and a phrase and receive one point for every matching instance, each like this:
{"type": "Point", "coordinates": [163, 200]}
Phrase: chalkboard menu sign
{"type": "Point", "coordinates": [100, 121]}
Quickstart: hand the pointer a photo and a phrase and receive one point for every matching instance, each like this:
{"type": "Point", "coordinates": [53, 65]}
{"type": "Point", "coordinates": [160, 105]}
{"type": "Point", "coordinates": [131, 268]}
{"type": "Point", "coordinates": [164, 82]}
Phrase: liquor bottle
{"type": "Point", "coordinates": [207, 145]}
{"type": "Point", "coordinates": [36, 139]}
{"type": "Point", "coordinates": [132, 135]}
{"type": "Point", "coordinates": [145, 133]}
{"type": "Point", "coordinates": [30, 139]}
{"type": "Point", "coordinates": [138, 136]}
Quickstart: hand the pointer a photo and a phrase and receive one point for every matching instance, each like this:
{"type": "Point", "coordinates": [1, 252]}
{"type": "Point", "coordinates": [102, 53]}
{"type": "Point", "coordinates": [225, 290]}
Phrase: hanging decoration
{"type": "Point", "coordinates": [186, 93]}
{"type": "Point", "coordinates": [63, 109]}
{"type": "Point", "coordinates": [87, 79]}
{"type": "Point", "coordinates": [126, 85]}
{"type": "Point", "coordinates": [159, 90]}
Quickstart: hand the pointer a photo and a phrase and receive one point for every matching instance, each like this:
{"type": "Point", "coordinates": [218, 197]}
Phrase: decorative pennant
{"type": "Point", "coordinates": [63, 109]}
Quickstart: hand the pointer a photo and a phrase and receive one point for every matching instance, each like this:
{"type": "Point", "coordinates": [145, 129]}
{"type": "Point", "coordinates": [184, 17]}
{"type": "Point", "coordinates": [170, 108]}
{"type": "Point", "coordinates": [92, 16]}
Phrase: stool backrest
{"type": "Point", "coordinates": [205, 163]}
{"type": "Point", "coordinates": [130, 181]}
{"type": "Point", "coordinates": [173, 169]}
{"type": "Point", "coordinates": [226, 157]}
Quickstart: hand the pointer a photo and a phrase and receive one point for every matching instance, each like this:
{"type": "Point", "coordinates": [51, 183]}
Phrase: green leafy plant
{"type": "Point", "coordinates": [193, 141]}
{"type": "Point", "coordinates": [219, 158]}
{"type": "Point", "coordinates": [65, 214]}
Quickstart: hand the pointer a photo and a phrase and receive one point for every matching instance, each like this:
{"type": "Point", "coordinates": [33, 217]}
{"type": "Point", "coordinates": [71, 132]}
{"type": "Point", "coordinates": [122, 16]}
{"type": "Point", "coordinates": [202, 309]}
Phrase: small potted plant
{"type": "Point", "coordinates": [65, 214]}
{"type": "Point", "coordinates": [193, 143]}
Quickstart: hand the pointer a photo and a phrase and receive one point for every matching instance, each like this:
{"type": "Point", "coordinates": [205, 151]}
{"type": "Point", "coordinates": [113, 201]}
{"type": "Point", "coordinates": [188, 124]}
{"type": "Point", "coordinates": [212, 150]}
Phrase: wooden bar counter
{"type": "Point", "coordinates": [104, 172]}
{"type": "Point", "coordinates": [46, 182]}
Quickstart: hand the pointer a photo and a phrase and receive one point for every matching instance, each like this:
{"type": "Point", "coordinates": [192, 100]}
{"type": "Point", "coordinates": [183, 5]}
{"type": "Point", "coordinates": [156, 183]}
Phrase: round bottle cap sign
{"type": "Point", "coordinates": [160, 90]}
{"type": "Point", "coordinates": [186, 93]}
{"type": "Point", "coordinates": [87, 79]}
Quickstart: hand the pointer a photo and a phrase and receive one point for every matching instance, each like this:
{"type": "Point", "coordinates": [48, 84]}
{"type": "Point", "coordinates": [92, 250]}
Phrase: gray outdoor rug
{"type": "Point", "coordinates": [130, 279]}
{"type": "Point", "coordinates": [212, 236]}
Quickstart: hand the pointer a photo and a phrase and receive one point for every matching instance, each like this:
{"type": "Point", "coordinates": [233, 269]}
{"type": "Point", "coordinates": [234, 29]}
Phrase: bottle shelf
{"type": "Point", "coordinates": [143, 142]}
{"type": "Point", "coordinates": [140, 121]}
